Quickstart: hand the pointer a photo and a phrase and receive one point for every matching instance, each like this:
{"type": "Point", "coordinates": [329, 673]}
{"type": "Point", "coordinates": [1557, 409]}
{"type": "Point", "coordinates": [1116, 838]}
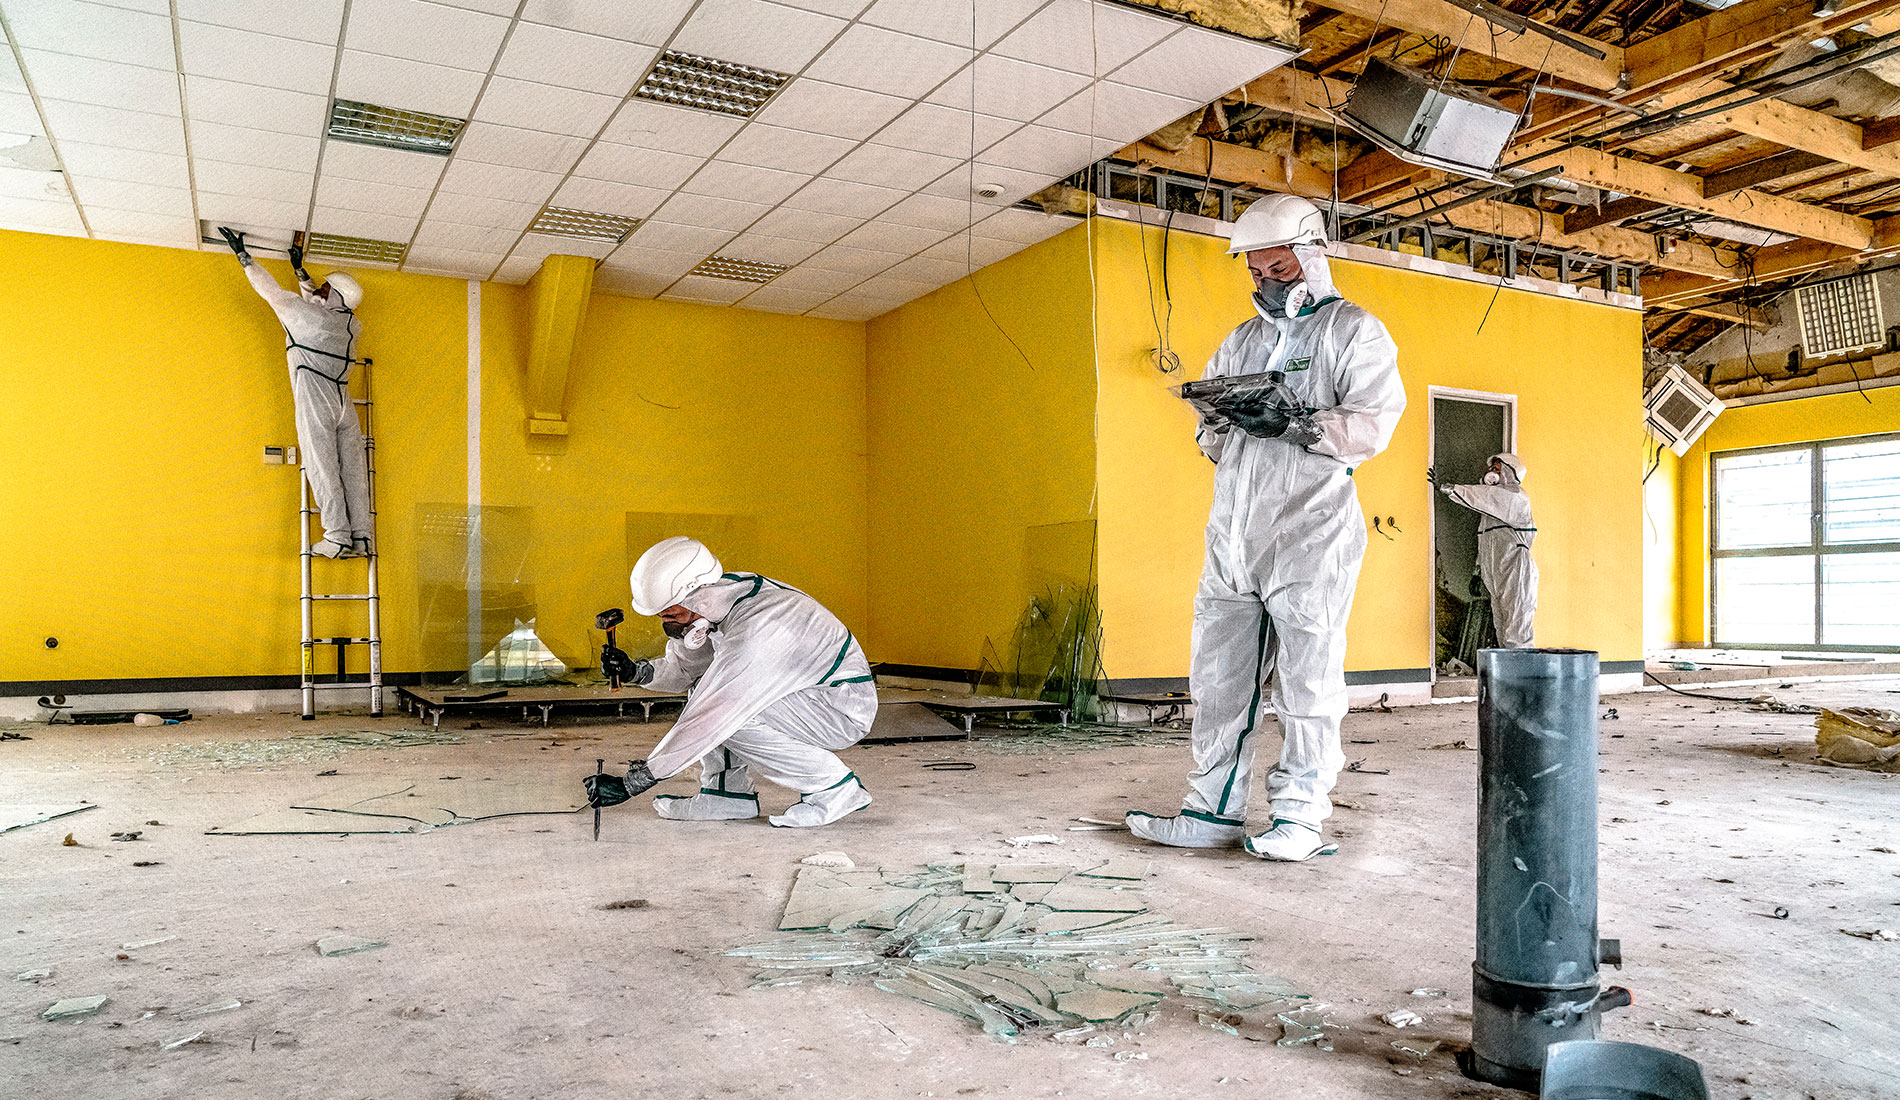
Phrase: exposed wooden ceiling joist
{"type": "Point", "coordinates": [1727, 311]}
{"type": "Point", "coordinates": [1795, 127]}
{"type": "Point", "coordinates": [1576, 221]}
{"type": "Point", "coordinates": [1769, 264]}
{"type": "Point", "coordinates": [1533, 52]}
{"type": "Point", "coordinates": [1737, 34]}
{"type": "Point", "coordinates": [1755, 173]}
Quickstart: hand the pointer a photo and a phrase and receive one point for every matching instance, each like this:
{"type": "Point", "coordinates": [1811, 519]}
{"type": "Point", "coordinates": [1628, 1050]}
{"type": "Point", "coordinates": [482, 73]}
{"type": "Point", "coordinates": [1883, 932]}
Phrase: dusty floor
{"type": "Point", "coordinates": [503, 978]}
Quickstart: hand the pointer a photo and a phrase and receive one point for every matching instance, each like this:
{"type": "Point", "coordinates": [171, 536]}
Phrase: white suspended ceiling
{"type": "Point", "coordinates": [138, 120]}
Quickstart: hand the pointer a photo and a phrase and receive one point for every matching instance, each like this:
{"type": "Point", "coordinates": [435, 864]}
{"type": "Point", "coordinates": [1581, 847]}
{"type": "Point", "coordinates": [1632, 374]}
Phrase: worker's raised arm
{"type": "Point", "coordinates": [261, 280]}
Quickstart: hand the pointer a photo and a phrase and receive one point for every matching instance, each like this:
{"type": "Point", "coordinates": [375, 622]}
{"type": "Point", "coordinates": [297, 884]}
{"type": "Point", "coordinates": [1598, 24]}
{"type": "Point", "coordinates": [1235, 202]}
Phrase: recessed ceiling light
{"type": "Point", "coordinates": [688, 80]}
{"type": "Point", "coordinates": [585, 225]}
{"type": "Point", "coordinates": [391, 128]}
{"type": "Point", "coordinates": [355, 248]}
{"type": "Point", "coordinates": [745, 271]}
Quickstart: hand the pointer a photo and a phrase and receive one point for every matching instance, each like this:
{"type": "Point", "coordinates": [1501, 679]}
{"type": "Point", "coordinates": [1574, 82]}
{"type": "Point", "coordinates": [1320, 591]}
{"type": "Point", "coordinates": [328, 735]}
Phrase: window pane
{"type": "Point", "coordinates": [1764, 601]}
{"type": "Point", "coordinates": [1763, 500]}
{"type": "Point", "coordinates": [1862, 485]}
{"type": "Point", "coordinates": [1862, 599]}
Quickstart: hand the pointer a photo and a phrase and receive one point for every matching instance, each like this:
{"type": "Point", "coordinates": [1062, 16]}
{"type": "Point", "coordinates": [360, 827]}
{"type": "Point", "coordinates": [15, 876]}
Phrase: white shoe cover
{"type": "Point", "coordinates": [324, 548]}
{"type": "Point", "coordinates": [824, 807]}
{"type": "Point", "coordinates": [1188, 830]}
{"type": "Point", "coordinates": [1289, 842]}
{"type": "Point", "coordinates": [706, 807]}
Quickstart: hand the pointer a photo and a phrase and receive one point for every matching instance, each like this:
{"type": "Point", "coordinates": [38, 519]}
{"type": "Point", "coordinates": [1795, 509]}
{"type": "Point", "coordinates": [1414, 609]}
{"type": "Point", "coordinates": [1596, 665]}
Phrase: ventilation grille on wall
{"type": "Point", "coordinates": [355, 248]}
{"type": "Point", "coordinates": [687, 80]}
{"type": "Point", "coordinates": [745, 271]}
{"type": "Point", "coordinates": [585, 225]}
{"type": "Point", "coordinates": [1840, 316]}
{"type": "Point", "coordinates": [417, 131]}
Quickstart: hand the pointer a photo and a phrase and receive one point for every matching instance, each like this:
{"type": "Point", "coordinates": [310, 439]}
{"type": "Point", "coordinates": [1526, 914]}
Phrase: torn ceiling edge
{"type": "Point", "coordinates": [1276, 21]}
{"type": "Point", "coordinates": [1384, 257]}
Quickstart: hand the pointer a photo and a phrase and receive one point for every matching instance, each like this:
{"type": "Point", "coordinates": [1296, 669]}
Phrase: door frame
{"type": "Point", "coordinates": [1477, 397]}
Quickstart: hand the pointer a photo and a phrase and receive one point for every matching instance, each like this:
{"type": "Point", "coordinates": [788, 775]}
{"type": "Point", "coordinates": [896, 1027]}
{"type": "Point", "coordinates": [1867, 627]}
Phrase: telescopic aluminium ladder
{"type": "Point", "coordinates": [370, 597]}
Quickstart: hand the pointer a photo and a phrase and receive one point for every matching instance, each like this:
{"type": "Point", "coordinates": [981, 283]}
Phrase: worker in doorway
{"type": "Point", "coordinates": [775, 683]}
{"type": "Point", "coordinates": [320, 332]}
{"type": "Point", "coordinates": [1505, 532]}
{"type": "Point", "coordinates": [1284, 540]}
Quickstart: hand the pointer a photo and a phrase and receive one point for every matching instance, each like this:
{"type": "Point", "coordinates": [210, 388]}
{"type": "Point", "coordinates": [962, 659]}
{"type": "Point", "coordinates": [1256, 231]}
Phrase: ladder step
{"type": "Point", "coordinates": [344, 596]}
{"type": "Point", "coordinates": [322, 685]}
{"type": "Point", "coordinates": [345, 641]}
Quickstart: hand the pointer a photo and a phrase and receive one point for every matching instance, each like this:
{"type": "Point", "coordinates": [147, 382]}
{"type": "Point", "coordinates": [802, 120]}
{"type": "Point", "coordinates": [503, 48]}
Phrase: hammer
{"type": "Point", "coordinates": [607, 620]}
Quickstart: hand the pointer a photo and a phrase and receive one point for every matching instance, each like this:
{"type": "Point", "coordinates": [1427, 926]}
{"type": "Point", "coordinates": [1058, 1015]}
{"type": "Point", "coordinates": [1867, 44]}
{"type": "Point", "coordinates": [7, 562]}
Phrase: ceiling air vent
{"type": "Point", "coordinates": [584, 225]}
{"type": "Point", "coordinates": [1840, 316]}
{"type": "Point", "coordinates": [416, 131]}
{"type": "Point", "coordinates": [687, 80]}
{"type": "Point", "coordinates": [355, 248]}
{"type": "Point", "coordinates": [1678, 409]}
{"type": "Point", "coordinates": [745, 271]}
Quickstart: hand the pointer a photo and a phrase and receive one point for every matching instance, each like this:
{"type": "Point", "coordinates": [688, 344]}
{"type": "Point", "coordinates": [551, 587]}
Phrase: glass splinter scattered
{"type": "Point", "coordinates": [182, 1040]}
{"type": "Point", "coordinates": [346, 945]}
{"type": "Point", "coordinates": [1419, 1047]}
{"type": "Point", "coordinates": [207, 1010]}
{"type": "Point", "coordinates": [73, 1006]}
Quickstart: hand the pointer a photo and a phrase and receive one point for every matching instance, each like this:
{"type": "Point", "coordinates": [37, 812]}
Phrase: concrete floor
{"type": "Point", "coordinates": [504, 980]}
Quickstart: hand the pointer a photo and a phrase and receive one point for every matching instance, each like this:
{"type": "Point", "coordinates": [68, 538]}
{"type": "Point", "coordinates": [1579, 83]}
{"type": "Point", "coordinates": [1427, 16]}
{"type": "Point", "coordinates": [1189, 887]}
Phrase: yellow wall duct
{"type": "Point", "coordinates": [557, 303]}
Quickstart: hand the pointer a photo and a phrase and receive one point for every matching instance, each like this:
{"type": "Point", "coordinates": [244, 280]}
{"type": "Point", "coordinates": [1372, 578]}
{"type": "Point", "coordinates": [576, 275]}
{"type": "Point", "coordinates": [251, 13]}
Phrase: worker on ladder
{"type": "Point", "coordinates": [320, 332]}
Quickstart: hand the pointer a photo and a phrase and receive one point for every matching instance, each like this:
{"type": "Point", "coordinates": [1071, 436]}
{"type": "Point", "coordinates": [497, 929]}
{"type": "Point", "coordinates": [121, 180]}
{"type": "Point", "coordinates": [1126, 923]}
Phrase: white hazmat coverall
{"type": "Point", "coordinates": [320, 341]}
{"type": "Point", "coordinates": [1284, 541]}
{"type": "Point", "coordinates": [777, 686]}
{"type": "Point", "coordinates": [1505, 532]}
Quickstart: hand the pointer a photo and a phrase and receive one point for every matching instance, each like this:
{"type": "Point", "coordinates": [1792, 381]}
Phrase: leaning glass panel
{"type": "Point", "coordinates": [1763, 500]}
{"type": "Point", "coordinates": [1765, 601]}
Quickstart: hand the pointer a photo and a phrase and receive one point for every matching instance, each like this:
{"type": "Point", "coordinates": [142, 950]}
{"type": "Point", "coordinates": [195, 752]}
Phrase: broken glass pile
{"type": "Point", "coordinates": [1010, 947]}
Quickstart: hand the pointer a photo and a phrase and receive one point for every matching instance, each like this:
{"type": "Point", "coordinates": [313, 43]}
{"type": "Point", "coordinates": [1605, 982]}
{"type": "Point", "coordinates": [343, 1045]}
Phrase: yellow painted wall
{"type": "Point", "coordinates": [1576, 368]}
{"type": "Point", "coordinates": [1662, 549]}
{"type": "Point", "coordinates": [981, 455]}
{"type": "Point", "coordinates": [1830, 416]}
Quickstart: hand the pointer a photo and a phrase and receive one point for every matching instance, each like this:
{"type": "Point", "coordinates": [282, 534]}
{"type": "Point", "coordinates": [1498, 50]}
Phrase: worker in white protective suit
{"type": "Point", "coordinates": [320, 332]}
{"type": "Point", "coordinates": [1505, 532]}
{"type": "Point", "coordinates": [1284, 540]}
{"type": "Point", "coordinates": [774, 683]}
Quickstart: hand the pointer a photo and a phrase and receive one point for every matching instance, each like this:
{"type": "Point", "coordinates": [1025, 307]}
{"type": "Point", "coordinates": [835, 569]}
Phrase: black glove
{"type": "Point", "coordinates": [1260, 420]}
{"type": "Point", "coordinates": [612, 790]}
{"type": "Point", "coordinates": [616, 665]}
{"type": "Point", "coordinates": [296, 264]}
{"type": "Point", "coordinates": [236, 240]}
{"type": "Point", "coordinates": [1431, 474]}
{"type": "Point", "coordinates": [639, 777]}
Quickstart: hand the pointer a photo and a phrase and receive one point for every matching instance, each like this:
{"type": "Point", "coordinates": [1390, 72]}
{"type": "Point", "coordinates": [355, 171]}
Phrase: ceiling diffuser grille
{"type": "Point", "coordinates": [745, 271]}
{"type": "Point", "coordinates": [687, 80]}
{"type": "Point", "coordinates": [355, 248]}
{"type": "Point", "coordinates": [391, 128]}
{"type": "Point", "coordinates": [586, 225]}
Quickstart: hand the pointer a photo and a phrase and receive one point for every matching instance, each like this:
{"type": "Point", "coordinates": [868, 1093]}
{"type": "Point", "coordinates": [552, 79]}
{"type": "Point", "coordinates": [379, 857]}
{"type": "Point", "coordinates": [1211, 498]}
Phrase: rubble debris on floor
{"type": "Point", "coordinates": [1859, 737]}
{"type": "Point", "coordinates": [381, 806]}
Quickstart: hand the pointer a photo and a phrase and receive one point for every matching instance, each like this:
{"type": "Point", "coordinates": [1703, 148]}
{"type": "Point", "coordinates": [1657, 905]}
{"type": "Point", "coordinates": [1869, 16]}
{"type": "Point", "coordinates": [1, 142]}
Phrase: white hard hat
{"type": "Point", "coordinates": [1277, 220]}
{"type": "Point", "coordinates": [1515, 463]}
{"type": "Point", "coordinates": [346, 288]}
{"type": "Point", "coordinates": [668, 571]}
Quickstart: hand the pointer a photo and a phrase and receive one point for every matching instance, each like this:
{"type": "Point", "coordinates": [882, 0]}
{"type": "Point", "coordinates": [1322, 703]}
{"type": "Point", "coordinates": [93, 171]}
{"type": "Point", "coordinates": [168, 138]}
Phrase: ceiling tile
{"type": "Point", "coordinates": [771, 250]}
{"type": "Point", "coordinates": [626, 164]}
{"type": "Point", "coordinates": [499, 181]}
{"type": "Point", "coordinates": [1084, 37]}
{"type": "Point", "coordinates": [744, 182]}
{"type": "Point", "coordinates": [273, 109]}
{"type": "Point", "coordinates": [114, 126]}
{"type": "Point", "coordinates": [263, 214]}
{"type": "Point", "coordinates": [493, 144]}
{"type": "Point", "coordinates": [783, 299]}
{"type": "Point", "coordinates": [108, 162]}
{"type": "Point", "coordinates": [890, 237]}
{"type": "Point", "coordinates": [950, 22]}
{"type": "Point", "coordinates": [252, 181]}
{"type": "Point", "coordinates": [604, 197]}
{"type": "Point", "coordinates": [1015, 185]}
{"type": "Point", "coordinates": [309, 20]}
{"type": "Point", "coordinates": [830, 109]}
{"type": "Point", "coordinates": [379, 165]}
{"type": "Point", "coordinates": [679, 238]}
{"type": "Point", "coordinates": [886, 61]}
{"type": "Point", "coordinates": [243, 145]}
{"type": "Point", "coordinates": [817, 279]}
{"type": "Point", "coordinates": [362, 223]}
{"type": "Point", "coordinates": [18, 115]}
{"type": "Point", "coordinates": [805, 225]}
{"type": "Point", "coordinates": [931, 269]}
{"type": "Point", "coordinates": [861, 261]}
{"type": "Point", "coordinates": [571, 59]}
{"type": "Point", "coordinates": [652, 125]}
{"type": "Point", "coordinates": [106, 83]}
{"type": "Point", "coordinates": [455, 237]}
{"type": "Point", "coordinates": [843, 9]}
{"type": "Point", "coordinates": [543, 245]}
{"type": "Point", "coordinates": [144, 228]}
{"type": "Point", "coordinates": [893, 287]}
{"type": "Point", "coordinates": [646, 260]}
{"type": "Point", "coordinates": [544, 107]}
{"type": "Point", "coordinates": [1027, 226]}
{"type": "Point", "coordinates": [483, 213]}
{"type": "Point", "coordinates": [1200, 65]}
{"type": "Point", "coordinates": [933, 212]}
{"type": "Point", "coordinates": [974, 251]}
{"type": "Point", "coordinates": [492, 7]}
{"type": "Point", "coordinates": [1117, 110]}
{"type": "Point", "coordinates": [1009, 88]}
{"type": "Point", "coordinates": [419, 31]}
{"type": "Point", "coordinates": [649, 21]}
{"type": "Point", "coordinates": [92, 30]}
{"type": "Point", "coordinates": [699, 288]}
{"type": "Point", "coordinates": [710, 212]}
{"type": "Point", "coordinates": [839, 310]}
{"type": "Point", "coordinates": [10, 78]}
{"type": "Point", "coordinates": [935, 128]}
{"type": "Point", "coordinates": [889, 166]}
{"type": "Point", "coordinates": [752, 32]}
{"type": "Point", "coordinates": [252, 58]}
{"type": "Point", "coordinates": [421, 258]}
{"type": "Point", "coordinates": [41, 216]}
{"type": "Point", "coordinates": [407, 85]}
{"type": "Point", "coordinates": [787, 150]}
{"type": "Point", "coordinates": [630, 284]}
{"type": "Point", "coordinates": [128, 195]}
{"type": "Point", "coordinates": [348, 194]}
{"type": "Point", "coordinates": [517, 271]}
{"type": "Point", "coordinates": [835, 196]}
{"type": "Point", "coordinates": [1042, 151]}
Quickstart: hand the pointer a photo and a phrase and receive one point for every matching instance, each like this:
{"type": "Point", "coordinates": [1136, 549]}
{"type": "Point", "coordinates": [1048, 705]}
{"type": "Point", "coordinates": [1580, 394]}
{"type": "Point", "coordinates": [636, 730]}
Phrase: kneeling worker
{"type": "Point", "coordinates": [775, 683]}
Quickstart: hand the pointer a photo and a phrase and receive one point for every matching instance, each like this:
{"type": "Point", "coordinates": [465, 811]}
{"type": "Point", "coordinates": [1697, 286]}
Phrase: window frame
{"type": "Point", "coordinates": [1817, 545]}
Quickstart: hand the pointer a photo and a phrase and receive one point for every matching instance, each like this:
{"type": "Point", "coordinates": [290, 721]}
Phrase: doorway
{"type": "Point", "coordinates": [1468, 427]}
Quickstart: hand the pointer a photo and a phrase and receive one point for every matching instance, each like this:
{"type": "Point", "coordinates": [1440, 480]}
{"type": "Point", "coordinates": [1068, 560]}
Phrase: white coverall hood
{"type": "Point", "coordinates": [1505, 533]}
{"type": "Point", "coordinates": [1315, 285]}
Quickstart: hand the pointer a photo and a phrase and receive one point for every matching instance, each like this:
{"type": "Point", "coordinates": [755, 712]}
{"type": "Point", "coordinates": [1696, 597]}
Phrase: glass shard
{"type": "Point", "coordinates": [330, 946]}
{"type": "Point", "coordinates": [73, 1006]}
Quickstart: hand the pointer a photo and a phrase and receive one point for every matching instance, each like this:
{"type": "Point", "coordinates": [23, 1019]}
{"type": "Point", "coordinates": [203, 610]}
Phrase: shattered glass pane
{"type": "Point", "coordinates": [520, 657]}
{"type": "Point", "coordinates": [1419, 1047]}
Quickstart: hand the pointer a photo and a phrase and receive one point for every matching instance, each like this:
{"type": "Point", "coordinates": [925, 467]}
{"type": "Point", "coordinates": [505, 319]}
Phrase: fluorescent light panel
{"type": "Point", "coordinates": [393, 128]}
{"type": "Point", "coordinates": [708, 84]}
{"type": "Point", "coordinates": [584, 225]}
{"type": "Point", "coordinates": [355, 248]}
{"type": "Point", "coordinates": [745, 271]}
